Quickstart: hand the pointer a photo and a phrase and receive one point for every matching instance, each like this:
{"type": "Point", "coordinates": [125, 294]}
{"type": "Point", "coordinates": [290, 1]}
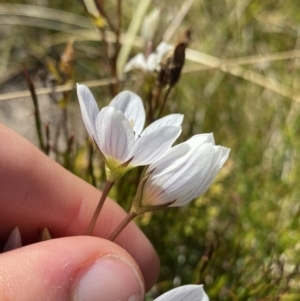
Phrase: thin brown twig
{"type": "Point", "coordinates": [229, 66]}
{"type": "Point", "coordinates": [106, 190]}
{"type": "Point", "coordinates": [112, 62]}
{"type": "Point", "coordinates": [103, 14]}
{"type": "Point", "coordinates": [48, 145]}
{"type": "Point", "coordinates": [129, 217]}
{"type": "Point", "coordinates": [37, 115]}
{"type": "Point", "coordinates": [164, 102]}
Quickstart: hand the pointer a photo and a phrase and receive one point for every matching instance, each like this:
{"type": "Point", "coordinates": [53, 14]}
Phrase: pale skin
{"type": "Point", "coordinates": [36, 192]}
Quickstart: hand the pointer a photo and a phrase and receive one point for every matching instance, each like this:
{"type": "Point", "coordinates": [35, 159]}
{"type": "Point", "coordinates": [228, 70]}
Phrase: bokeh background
{"type": "Point", "coordinates": [240, 81]}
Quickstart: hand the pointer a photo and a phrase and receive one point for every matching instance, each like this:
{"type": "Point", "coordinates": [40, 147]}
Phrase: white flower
{"type": "Point", "coordinates": [186, 293]}
{"type": "Point", "coordinates": [118, 130]}
{"type": "Point", "coordinates": [184, 172]}
{"type": "Point", "coordinates": [151, 63]}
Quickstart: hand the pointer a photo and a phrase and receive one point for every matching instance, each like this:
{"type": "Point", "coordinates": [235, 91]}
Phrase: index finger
{"type": "Point", "coordinates": [36, 192]}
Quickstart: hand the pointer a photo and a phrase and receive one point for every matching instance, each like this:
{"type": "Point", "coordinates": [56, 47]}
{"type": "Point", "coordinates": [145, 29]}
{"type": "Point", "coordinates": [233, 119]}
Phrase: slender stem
{"type": "Point", "coordinates": [164, 102]}
{"type": "Point", "coordinates": [103, 13]}
{"type": "Point", "coordinates": [157, 97]}
{"type": "Point", "coordinates": [106, 190]}
{"type": "Point", "coordinates": [129, 217]}
{"type": "Point", "coordinates": [37, 116]}
{"type": "Point", "coordinates": [149, 101]}
{"type": "Point", "coordinates": [112, 62]}
{"type": "Point", "coordinates": [90, 164]}
{"type": "Point", "coordinates": [48, 145]}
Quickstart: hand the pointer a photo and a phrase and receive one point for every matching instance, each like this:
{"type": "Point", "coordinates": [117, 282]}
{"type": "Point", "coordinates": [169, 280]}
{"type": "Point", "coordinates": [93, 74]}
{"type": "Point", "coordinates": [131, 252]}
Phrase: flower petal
{"type": "Point", "coordinates": [89, 108]}
{"type": "Point", "coordinates": [206, 177]}
{"type": "Point", "coordinates": [131, 105]}
{"type": "Point", "coordinates": [154, 59]}
{"type": "Point", "coordinates": [177, 180]}
{"type": "Point", "coordinates": [220, 157]}
{"type": "Point", "coordinates": [172, 119]}
{"type": "Point", "coordinates": [150, 147]}
{"type": "Point", "coordinates": [152, 62]}
{"type": "Point", "coordinates": [162, 49]}
{"type": "Point", "coordinates": [114, 134]}
{"type": "Point", "coordinates": [168, 165]}
{"type": "Point", "coordinates": [137, 62]}
{"type": "Point", "coordinates": [187, 293]}
{"type": "Point", "coordinates": [174, 154]}
{"type": "Point", "coordinates": [200, 139]}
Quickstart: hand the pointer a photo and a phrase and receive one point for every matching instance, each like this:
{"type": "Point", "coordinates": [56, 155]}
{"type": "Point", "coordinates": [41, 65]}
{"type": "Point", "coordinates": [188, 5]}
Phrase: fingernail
{"type": "Point", "coordinates": [109, 278]}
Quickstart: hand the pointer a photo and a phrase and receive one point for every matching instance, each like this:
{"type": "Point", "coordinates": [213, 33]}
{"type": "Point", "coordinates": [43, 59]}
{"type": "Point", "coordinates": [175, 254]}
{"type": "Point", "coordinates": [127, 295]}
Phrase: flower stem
{"type": "Point", "coordinates": [106, 190]}
{"type": "Point", "coordinates": [164, 102]}
{"type": "Point", "coordinates": [129, 217]}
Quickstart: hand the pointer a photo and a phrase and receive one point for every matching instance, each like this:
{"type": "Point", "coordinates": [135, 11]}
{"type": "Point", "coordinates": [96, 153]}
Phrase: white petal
{"type": "Point", "coordinates": [162, 170]}
{"type": "Point", "coordinates": [174, 177]}
{"type": "Point", "coordinates": [162, 49]}
{"type": "Point", "coordinates": [198, 140]}
{"type": "Point", "coordinates": [186, 293]}
{"type": "Point", "coordinates": [151, 147]}
{"type": "Point", "coordinates": [89, 108]}
{"type": "Point", "coordinates": [173, 119]}
{"type": "Point", "coordinates": [131, 105]}
{"type": "Point", "coordinates": [114, 134]}
{"type": "Point", "coordinates": [220, 157]}
{"type": "Point", "coordinates": [174, 154]}
{"type": "Point", "coordinates": [152, 62]}
{"type": "Point", "coordinates": [224, 156]}
{"type": "Point", "coordinates": [155, 58]}
{"type": "Point", "coordinates": [137, 62]}
{"type": "Point", "coordinates": [182, 176]}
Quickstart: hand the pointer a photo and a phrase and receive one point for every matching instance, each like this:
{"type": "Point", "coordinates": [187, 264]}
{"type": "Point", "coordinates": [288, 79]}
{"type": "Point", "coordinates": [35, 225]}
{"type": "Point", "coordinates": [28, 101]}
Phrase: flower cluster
{"type": "Point", "coordinates": [174, 176]}
{"type": "Point", "coordinates": [117, 129]}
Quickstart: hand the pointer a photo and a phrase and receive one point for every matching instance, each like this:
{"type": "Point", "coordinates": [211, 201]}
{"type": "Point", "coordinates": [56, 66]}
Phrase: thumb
{"type": "Point", "coordinates": [76, 268]}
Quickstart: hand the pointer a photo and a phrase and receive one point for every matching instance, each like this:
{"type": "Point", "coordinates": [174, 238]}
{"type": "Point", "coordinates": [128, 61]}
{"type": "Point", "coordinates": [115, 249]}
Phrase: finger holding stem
{"type": "Point", "coordinates": [106, 190]}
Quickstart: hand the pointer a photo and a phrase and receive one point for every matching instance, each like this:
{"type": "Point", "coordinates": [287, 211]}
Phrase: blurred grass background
{"type": "Point", "coordinates": [241, 239]}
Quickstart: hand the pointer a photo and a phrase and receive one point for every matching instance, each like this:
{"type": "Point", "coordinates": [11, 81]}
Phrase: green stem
{"type": "Point", "coordinates": [129, 217]}
{"type": "Point", "coordinates": [106, 190]}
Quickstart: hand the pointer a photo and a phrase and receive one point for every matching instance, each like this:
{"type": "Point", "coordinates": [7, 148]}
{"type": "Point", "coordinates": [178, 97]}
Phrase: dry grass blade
{"type": "Point", "coordinates": [89, 35]}
{"type": "Point", "coordinates": [206, 61]}
{"type": "Point", "coordinates": [63, 88]}
{"type": "Point", "coordinates": [132, 33]}
{"type": "Point", "coordinates": [251, 76]}
{"type": "Point", "coordinates": [171, 30]}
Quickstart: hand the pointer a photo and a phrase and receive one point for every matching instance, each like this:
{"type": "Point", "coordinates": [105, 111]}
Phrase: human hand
{"type": "Point", "coordinates": [36, 192]}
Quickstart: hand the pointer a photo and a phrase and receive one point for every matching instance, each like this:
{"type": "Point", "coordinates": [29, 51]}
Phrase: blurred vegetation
{"type": "Point", "coordinates": [241, 239]}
